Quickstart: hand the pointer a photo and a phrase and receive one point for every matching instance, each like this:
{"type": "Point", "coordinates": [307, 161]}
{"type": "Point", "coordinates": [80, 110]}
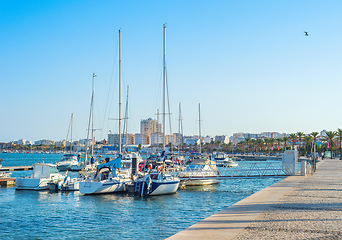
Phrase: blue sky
{"type": "Point", "coordinates": [247, 62]}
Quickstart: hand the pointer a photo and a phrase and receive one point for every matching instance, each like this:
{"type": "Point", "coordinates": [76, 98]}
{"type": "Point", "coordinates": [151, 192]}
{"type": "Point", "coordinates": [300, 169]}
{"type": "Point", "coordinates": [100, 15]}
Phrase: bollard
{"type": "Point", "coordinates": [303, 168]}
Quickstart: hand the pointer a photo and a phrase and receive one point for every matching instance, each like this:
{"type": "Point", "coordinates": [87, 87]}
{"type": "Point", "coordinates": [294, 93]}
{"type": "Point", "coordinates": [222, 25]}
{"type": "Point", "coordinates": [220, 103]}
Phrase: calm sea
{"type": "Point", "coordinates": [70, 215]}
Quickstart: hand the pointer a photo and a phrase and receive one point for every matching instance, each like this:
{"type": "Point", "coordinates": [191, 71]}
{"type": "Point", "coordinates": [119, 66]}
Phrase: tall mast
{"type": "Point", "coordinates": [180, 128]}
{"type": "Point", "coordinates": [158, 132]}
{"type": "Point", "coordinates": [92, 117]}
{"type": "Point", "coordinates": [164, 82]}
{"type": "Point", "coordinates": [119, 92]}
{"type": "Point", "coordinates": [125, 127]}
{"type": "Point", "coordinates": [199, 117]}
{"type": "Point", "coordinates": [72, 116]}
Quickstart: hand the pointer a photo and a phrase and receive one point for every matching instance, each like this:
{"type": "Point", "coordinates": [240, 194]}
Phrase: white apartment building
{"type": "Point", "coordinates": [128, 139]}
{"type": "Point", "coordinates": [156, 138]}
{"type": "Point", "coordinates": [222, 138]}
{"type": "Point", "coordinates": [22, 142]}
{"type": "Point", "coordinates": [142, 139]}
{"type": "Point", "coordinates": [44, 142]}
{"type": "Point", "coordinates": [149, 126]}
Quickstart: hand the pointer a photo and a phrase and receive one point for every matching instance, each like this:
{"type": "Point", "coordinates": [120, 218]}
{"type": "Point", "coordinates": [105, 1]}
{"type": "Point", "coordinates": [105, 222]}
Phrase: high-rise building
{"type": "Point", "coordinates": [149, 126]}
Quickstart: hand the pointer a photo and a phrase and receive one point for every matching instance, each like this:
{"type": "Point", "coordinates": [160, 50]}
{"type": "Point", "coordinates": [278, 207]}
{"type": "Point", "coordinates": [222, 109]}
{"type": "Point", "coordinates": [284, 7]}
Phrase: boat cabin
{"type": "Point", "coordinates": [43, 170]}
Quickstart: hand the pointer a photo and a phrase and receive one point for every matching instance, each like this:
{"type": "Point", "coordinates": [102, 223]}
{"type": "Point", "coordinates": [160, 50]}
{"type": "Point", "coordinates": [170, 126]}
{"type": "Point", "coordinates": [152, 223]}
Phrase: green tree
{"type": "Point", "coordinates": [259, 143]}
{"type": "Point", "coordinates": [314, 136]}
{"type": "Point", "coordinates": [307, 140]}
{"type": "Point", "coordinates": [271, 142]}
{"type": "Point", "coordinates": [330, 138]}
{"type": "Point", "coordinates": [339, 135]}
{"type": "Point", "coordinates": [247, 140]}
{"type": "Point", "coordinates": [293, 137]}
{"type": "Point", "coordinates": [279, 141]}
{"type": "Point", "coordinates": [285, 140]}
{"type": "Point", "coordinates": [300, 135]}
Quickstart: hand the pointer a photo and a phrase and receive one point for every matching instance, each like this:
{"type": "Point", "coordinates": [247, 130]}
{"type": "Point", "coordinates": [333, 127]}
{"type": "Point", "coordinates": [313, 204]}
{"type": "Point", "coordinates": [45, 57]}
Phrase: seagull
{"type": "Point", "coordinates": [306, 34]}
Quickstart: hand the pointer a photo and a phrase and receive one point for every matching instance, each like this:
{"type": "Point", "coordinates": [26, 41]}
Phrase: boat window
{"type": "Point", "coordinates": [104, 176]}
{"type": "Point", "coordinates": [37, 171]}
{"type": "Point", "coordinates": [53, 170]}
{"type": "Point", "coordinates": [154, 176]}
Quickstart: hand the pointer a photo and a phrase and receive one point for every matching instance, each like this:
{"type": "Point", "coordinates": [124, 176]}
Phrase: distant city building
{"type": "Point", "coordinates": [84, 142]}
{"type": "Point", "coordinates": [143, 139]}
{"type": "Point", "coordinates": [322, 134]}
{"type": "Point", "coordinates": [190, 141]}
{"type": "Point", "coordinates": [44, 142]}
{"type": "Point", "coordinates": [177, 138]}
{"type": "Point", "coordinates": [60, 143]}
{"type": "Point", "coordinates": [149, 126]}
{"type": "Point", "coordinates": [128, 139]}
{"type": "Point", "coordinates": [222, 138]}
{"type": "Point", "coordinates": [113, 139]}
{"type": "Point", "coordinates": [170, 139]}
{"type": "Point", "coordinates": [22, 142]}
{"type": "Point", "coordinates": [156, 138]}
{"type": "Point", "coordinates": [207, 139]}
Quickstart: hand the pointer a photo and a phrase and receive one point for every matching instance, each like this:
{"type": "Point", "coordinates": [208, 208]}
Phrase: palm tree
{"type": "Point", "coordinates": [271, 141]}
{"type": "Point", "coordinates": [253, 143]}
{"type": "Point", "coordinates": [267, 142]}
{"type": "Point", "coordinates": [339, 134]}
{"type": "Point", "coordinates": [293, 137]}
{"type": "Point", "coordinates": [314, 135]}
{"type": "Point", "coordinates": [300, 135]}
{"type": "Point", "coordinates": [260, 143]}
{"type": "Point", "coordinates": [307, 140]}
{"type": "Point", "coordinates": [241, 145]}
{"type": "Point", "coordinates": [330, 138]}
{"type": "Point", "coordinates": [279, 140]}
{"type": "Point", "coordinates": [285, 140]}
{"type": "Point", "coordinates": [247, 140]}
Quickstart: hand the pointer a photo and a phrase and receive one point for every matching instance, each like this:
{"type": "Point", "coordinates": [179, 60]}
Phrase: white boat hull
{"type": "Point", "coordinates": [165, 188]}
{"type": "Point", "coordinates": [35, 184]}
{"type": "Point", "coordinates": [92, 187]}
{"type": "Point", "coordinates": [200, 182]}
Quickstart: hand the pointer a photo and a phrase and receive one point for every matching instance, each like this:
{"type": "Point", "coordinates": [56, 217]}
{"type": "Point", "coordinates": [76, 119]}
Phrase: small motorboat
{"type": "Point", "coordinates": [43, 173]}
{"type": "Point", "coordinates": [67, 163]}
{"type": "Point", "coordinates": [199, 172]}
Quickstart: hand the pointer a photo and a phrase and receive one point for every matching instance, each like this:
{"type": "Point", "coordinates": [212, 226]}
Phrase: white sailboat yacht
{"type": "Point", "coordinates": [157, 182]}
{"type": "Point", "coordinates": [109, 176]}
{"type": "Point", "coordinates": [69, 159]}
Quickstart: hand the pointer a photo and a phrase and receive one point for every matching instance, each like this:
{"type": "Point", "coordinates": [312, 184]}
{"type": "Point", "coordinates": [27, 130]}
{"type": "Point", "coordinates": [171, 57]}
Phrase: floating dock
{"type": "Point", "coordinates": [15, 168]}
{"type": "Point", "coordinates": [6, 182]}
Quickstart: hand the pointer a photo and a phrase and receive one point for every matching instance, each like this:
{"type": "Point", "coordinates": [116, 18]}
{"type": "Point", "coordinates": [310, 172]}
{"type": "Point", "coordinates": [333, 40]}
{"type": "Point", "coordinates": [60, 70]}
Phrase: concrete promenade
{"type": "Point", "coordinates": [295, 208]}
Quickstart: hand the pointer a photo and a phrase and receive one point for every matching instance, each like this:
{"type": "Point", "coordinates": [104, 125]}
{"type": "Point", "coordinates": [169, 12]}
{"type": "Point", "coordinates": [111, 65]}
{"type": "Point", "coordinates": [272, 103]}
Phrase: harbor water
{"type": "Point", "coordinates": [71, 215]}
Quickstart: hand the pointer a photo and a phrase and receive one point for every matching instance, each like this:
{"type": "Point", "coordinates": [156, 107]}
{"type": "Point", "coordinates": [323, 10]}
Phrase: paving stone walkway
{"type": "Point", "coordinates": [294, 208]}
{"type": "Point", "coordinates": [311, 210]}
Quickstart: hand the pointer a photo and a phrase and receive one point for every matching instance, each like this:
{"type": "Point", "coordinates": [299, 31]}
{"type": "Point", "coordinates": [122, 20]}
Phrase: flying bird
{"type": "Point", "coordinates": [306, 34]}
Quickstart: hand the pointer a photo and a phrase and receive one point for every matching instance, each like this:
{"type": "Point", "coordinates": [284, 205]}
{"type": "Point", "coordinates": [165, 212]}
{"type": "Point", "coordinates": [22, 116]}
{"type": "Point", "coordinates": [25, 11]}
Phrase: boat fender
{"type": "Point", "coordinates": [148, 183]}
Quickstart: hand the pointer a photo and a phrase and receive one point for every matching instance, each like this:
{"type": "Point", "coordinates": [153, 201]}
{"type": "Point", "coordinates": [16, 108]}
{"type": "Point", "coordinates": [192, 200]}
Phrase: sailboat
{"type": "Point", "coordinates": [109, 176]}
{"type": "Point", "coordinates": [69, 159]}
{"type": "Point", "coordinates": [201, 170]}
{"type": "Point", "coordinates": [156, 182]}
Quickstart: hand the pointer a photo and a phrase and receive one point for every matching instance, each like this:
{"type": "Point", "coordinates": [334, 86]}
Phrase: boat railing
{"type": "Point", "coordinates": [243, 170]}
